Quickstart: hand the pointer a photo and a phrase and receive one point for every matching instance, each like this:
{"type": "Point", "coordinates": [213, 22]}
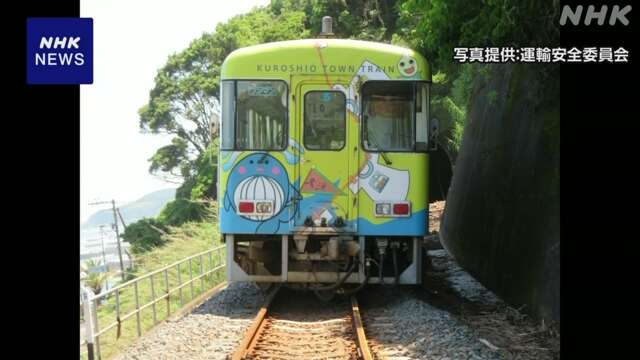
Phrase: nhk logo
{"type": "Point", "coordinates": [56, 58]}
{"type": "Point", "coordinates": [617, 14]}
{"type": "Point", "coordinates": [60, 51]}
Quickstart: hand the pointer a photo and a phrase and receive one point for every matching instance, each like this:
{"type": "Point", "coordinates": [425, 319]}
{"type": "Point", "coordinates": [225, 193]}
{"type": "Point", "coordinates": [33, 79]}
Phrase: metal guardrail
{"type": "Point", "coordinates": [91, 302]}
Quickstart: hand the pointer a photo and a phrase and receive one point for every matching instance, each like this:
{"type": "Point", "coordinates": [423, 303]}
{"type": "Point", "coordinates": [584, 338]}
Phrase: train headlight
{"type": "Point", "coordinates": [393, 209]}
{"type": "Point", "coordinates": [256, 207]}
{"type": "Point", "coordinates": [264, 207]}
{"type": "Point", "coordinates": [383, 209]}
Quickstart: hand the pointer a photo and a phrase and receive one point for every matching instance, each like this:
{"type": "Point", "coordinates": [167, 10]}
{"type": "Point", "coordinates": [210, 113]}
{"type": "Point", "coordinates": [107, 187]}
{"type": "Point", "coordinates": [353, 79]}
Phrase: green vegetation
{"type": "Point", "coordinates": [177, 243]}
{"type": "Point", "coordinates": [145, 234]}
{"type": "Point", "coordinates": [436, 27]}
{"type": "Point", "coordinates": [94, 279]}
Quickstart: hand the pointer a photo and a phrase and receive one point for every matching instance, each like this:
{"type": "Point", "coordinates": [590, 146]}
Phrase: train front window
{"type": "Point", "coordinates": [324, 120]}
{"type": "Point", "coordinates": [261, 108]}
{"type": "Point", "coordinates": [388, 115]}
{"type": "Point", "coordinates": [227, 125]}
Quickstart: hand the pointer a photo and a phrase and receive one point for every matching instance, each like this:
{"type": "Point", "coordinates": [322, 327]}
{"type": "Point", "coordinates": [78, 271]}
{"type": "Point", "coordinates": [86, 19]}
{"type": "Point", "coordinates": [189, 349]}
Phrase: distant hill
{"type": "Point", "coordinates": [149, 205]}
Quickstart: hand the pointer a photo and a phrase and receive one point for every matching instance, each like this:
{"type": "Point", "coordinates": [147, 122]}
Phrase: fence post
{"type": "Point", "coordinates": [180, 284]}
{"type": "Point", "coordinates": [210, 268]}
{"type": "Point", "coordinates": [153, 299]}
{"type": "Point", "coordinates": [135, 289]}
{"type": "Point", "coordinates": [96, 328]}
{"type": "Point", "coordinates": [191, 278]}
{"type": "Point", "coordinates": [166, 286]}
{"type": "Point", "coordinates": [201, 277]}
{"type": "Point", "coordinates": [88, 319]}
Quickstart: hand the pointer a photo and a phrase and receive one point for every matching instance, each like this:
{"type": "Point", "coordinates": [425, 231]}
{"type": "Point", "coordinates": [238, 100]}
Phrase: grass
{"type": "Point", "coordinates": [188, 239]}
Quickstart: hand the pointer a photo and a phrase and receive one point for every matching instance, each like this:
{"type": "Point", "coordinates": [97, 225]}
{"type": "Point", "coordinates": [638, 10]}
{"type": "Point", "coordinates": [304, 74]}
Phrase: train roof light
{"type": "Point", "coordinates": [327, 27]}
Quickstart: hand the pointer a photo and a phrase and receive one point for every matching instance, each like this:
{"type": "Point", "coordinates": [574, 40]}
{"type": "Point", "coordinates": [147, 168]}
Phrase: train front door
{"type": "Point", "coordinates": [325, 202]}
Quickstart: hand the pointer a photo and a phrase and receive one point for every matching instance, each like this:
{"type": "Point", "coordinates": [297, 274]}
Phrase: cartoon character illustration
{"type": "Point", "coordinates": [296, 154]}
{"type": "Point", "coordinates": [320, 194]}
{"type": "Point", "coordinates": [366, 71]}
{"type": "Point", "coordinates": [259, 176]}
{"type": "Point", "coordinates": [378, 181]}
{"type": "Point", "coordinates": [320, 205]}
{"type": "Point", "coordinates": [228, 158]}
{"type": "Point", "coordinates": [408, 67]}
{"type": "Point", "coordinates": [381, 182]}
{"type": "Point", "coordinates": [317, 182]}
{"type": "Point", "coordinates": [259, 187]}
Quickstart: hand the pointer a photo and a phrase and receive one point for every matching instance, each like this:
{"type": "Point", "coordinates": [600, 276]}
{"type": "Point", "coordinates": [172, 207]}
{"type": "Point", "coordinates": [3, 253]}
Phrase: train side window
{"type": "Point", "coordinates": [261, 115]}
{"type": "Point", "coordinates": [422, 116]}
{"type": "Point", "coordinates": [388, 116]}
{"type": "Point", "coordinates": [324, 120]}
{"type": "Point", "coordinates": [227, 125]}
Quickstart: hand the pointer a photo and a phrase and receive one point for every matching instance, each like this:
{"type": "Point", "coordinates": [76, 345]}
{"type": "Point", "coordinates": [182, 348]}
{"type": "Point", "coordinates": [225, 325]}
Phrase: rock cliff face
{"type": "Point", "coordinates": [502, 217]}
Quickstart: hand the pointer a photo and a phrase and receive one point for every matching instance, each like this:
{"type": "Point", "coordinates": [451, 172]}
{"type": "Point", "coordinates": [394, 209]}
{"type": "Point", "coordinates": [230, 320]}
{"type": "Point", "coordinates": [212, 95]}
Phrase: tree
{"type": "Point", "coordinates": [94, 279]}
{"type": "Point", "coordinates": [185, 99]}
{"type": "Point", "coordinates": [183, 103]}
{"type": "Point", "coordinates": [145, 234]}
{"type": "Point", "coordinates": [435, 27]}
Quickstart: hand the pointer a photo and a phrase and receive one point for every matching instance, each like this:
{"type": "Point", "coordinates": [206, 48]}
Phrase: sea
{"type": "Point", "coordinates": [100, 244]}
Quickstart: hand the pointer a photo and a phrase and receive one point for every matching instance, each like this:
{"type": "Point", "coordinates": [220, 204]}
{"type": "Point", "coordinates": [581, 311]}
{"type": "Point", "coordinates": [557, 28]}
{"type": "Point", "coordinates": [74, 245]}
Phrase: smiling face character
{"type": "Point", "coordinates": [407, 66]}
{"type": "Point", "coordinates": [259, 177]}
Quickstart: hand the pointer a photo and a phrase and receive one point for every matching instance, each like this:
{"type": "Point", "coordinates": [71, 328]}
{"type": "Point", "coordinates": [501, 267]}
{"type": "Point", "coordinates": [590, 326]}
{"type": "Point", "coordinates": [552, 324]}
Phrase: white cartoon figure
{"type": "Point", "coordinates": [381, 182]}
{"type": "Point", "coordinates": [260, 187]}
{"type": "Point", "coordinates": [408, 67]}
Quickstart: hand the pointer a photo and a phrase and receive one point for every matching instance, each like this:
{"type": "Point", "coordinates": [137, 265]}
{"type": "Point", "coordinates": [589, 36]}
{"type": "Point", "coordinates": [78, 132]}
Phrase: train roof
{"type": "Point", "coordinates": [323, 56]}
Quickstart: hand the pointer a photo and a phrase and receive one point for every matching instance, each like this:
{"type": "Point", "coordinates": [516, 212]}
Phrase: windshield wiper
{"type": "Point", "coordinates": [386, 159]}
{"type": "Point", "coordinates": [375, 143]}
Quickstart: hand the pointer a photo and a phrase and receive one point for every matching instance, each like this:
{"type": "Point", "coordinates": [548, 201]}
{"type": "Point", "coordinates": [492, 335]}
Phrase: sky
{"type": "Point", "coordinates": [132, 40]}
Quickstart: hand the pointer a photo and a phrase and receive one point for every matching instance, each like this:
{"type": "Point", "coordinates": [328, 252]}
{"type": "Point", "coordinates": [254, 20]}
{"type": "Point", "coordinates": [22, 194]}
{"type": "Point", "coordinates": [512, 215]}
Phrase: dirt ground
{"type": "Point", "coordinates": [435, 212]}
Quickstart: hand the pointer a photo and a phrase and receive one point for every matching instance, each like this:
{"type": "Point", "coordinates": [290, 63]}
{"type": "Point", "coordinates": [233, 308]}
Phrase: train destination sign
{"type": "Point", "coordinates": [314, 68]}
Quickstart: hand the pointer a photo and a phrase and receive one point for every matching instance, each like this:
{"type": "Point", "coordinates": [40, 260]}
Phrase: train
{"type": "Point", "coordinates": [324, 163]}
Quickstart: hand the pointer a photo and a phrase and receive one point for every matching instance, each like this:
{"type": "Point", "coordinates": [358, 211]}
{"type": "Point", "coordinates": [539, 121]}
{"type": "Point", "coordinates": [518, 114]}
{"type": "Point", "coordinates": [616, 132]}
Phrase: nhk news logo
{"type": "Point", "coordinates": [59, 51]}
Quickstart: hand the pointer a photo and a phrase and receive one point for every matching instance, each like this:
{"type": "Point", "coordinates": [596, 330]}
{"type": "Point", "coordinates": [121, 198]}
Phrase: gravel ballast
{"type": "Point", "coordinates": [409, 328]}
{"type": "Point", "coordinates": [211, 331]}
{"type": "Point", "coordinates": [451, 316]}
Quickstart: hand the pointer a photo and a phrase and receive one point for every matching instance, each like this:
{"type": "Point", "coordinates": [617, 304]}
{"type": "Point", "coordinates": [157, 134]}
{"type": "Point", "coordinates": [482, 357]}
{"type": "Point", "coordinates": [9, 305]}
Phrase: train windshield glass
{"type": "Point", "coordinates": [227, 128]}
{"type": "Point", "coordinates": [261, 108]}
{"type": "Point", "coordinates": [324, 120]}
{"type": "Point", "coordinates": [388, 116]}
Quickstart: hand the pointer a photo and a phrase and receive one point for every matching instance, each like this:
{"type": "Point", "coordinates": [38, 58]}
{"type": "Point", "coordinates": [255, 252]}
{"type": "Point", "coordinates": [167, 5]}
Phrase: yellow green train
{"type": "Point", "coordinates": [324, 163]}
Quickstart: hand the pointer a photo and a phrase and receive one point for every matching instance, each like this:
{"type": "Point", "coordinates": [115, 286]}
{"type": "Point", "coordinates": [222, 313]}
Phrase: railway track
{"type": "Point", "coordinates": [332, 331]}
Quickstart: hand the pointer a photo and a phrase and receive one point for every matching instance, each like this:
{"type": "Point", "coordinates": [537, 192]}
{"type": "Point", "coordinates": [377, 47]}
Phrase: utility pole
{"type": "Point", "coordinates": [122, 220]}
{"type": "Point", "coordinates": [115, 221]}
{"type": "Point", "coordinates": [104, 256]}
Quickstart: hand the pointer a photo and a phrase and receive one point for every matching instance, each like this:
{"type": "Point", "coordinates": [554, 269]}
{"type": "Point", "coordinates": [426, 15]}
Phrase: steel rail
{"type": "Point", "coordinates": [363, 345]}
{"type": "Point", "coordinates": [262, 326]}
{"type": "Point", "coordinates": [252, 333]}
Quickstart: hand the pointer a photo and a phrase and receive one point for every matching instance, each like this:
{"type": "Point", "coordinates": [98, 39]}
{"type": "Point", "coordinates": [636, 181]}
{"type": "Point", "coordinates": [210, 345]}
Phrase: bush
{"type": "Point", "coordinates": [144, 235]}
{"type": "Point", "coordinates": [180, 211]}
